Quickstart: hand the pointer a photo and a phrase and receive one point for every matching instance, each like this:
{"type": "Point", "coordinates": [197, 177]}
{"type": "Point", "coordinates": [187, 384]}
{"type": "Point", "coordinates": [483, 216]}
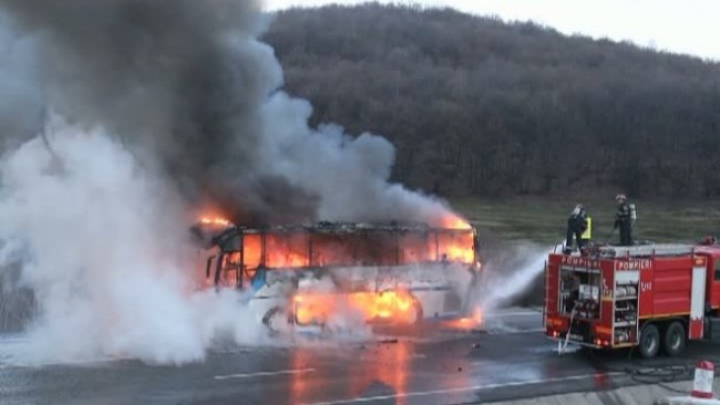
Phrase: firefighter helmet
{"type": "Point", "coordinates": [577, 210]}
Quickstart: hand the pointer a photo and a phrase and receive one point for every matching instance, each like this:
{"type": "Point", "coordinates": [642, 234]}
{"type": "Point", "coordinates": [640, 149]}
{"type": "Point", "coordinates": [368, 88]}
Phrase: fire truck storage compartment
{"type": "Point", "coordinates": [668, 287]}
{"type": "Point", "coordinates": [625, 307]}
{"type": "Point", "coordinates": [580, 292]}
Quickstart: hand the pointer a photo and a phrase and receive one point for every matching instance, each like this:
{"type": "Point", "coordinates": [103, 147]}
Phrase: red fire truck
{"type": "Point", "coordinates": [648, 297]}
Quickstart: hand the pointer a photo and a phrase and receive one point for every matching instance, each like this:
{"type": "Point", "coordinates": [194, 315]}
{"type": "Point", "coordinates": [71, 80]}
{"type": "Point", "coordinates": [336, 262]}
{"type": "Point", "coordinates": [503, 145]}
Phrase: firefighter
{"type": "Point", "coordinates": [624, 220]}
{"type": "Point", "coordinates": [576, 229]}
{"type": "Point", "coordinates": [709, 240]}
{"type": "Point", "coordinates": [586, 236]}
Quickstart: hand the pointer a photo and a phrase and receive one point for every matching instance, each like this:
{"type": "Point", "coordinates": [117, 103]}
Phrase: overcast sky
{"type": "Point", "coordinates": [681, 26]}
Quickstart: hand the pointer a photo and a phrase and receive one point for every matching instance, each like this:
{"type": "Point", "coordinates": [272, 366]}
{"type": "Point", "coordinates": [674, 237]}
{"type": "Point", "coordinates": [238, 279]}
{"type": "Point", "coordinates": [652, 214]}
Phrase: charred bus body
{"type": "Point", "coordinates": [396, 273]}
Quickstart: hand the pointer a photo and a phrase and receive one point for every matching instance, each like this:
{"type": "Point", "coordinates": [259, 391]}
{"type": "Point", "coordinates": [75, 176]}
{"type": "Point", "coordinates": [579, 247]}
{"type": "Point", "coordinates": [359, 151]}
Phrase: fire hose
{"type": "Point", "coordinates": [607, 239]}
{"type": "Point", "coordinates": [659, 375]}
{"type": "Point", "coordinates": [563, 347]}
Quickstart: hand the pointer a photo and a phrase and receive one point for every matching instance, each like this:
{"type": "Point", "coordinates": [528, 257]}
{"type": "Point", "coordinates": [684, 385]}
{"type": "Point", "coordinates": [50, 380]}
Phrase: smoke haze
{"type": "Point", "coordinates": [103, 252]}
{"type": "Point", "coordinates": [118, 120]}
{"type": "Point", "coordinates": [186, 85]}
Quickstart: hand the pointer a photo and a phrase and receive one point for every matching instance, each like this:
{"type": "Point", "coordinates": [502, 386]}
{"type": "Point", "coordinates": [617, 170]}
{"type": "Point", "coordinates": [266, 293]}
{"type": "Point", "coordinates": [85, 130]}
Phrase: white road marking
{"type": "Point", "coordinates": [264, 374]}
{"type": "Point", "coordinates": [465, 389]}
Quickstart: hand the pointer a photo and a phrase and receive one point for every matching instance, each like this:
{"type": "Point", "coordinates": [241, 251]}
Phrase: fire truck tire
{"type": "Point", "coordinates": [649, 341]}
{"type": "Point", "coordinates": [674, 340]}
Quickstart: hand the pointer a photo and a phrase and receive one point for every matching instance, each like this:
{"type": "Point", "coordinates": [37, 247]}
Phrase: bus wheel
{"type": "Point", "coordinates": [649, 341]}
{"type": "Point", "coordinates": [674, 341]}
{"type": "Point", "coordinates": [276, 320]}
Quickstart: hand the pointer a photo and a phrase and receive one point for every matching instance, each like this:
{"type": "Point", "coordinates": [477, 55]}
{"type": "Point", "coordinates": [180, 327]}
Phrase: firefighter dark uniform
{"type": "Point", "coordinates": [623, 220]}
{"type": "Point", "coordinates": [577, 229]}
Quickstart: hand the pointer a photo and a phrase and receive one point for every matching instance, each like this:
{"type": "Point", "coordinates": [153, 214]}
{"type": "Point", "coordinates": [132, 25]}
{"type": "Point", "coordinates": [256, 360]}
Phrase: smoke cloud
{"type": "Point", "coordinates": [186, 85]}
{"type": "Point", "coordinates": [119, 119]}
{"type": "Point", "coordinates": [105, 255]}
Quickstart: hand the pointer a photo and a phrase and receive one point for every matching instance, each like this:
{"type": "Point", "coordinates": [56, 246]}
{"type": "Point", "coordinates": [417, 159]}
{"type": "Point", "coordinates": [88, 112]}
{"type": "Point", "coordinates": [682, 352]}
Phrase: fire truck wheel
{"type": "Point", "coordinates": [674, 342]}
{"type": "Point", "coordinates": [649, 341]}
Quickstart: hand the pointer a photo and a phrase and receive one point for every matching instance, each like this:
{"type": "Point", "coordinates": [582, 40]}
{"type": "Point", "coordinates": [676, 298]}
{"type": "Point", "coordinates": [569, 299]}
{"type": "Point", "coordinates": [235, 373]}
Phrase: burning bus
{"type": "Point", "coordinates": [311, 275]}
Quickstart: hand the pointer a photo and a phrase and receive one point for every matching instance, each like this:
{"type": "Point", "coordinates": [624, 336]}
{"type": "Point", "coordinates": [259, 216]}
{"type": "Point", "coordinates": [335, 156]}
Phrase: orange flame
{"type": "Point", "coordinates": [461, 254]}
{"type": "Point", "coordinates": [292, 250]}
{"type": "Point", "coordinates": [299, 248]}
{"type": "Point", "coordinates": [313, 308]}
{"type": "Point", "coordinates": [471, 322]}
{"type": "Point", "coordinates": [215, 221]}
{"type": "Point", "coordinates": [459, 249]}
{"type": "Point", "coordinates": [397, 306]}
{"type": "Point", "coordinates": [455, 222]}
{"type": "Point", "coordinates": [478, 316]}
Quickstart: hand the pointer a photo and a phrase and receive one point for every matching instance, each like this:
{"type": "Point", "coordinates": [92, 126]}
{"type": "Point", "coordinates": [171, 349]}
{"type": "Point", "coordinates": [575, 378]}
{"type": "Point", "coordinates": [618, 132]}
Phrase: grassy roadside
{"type": "Point", "coordinates": [544, 219]}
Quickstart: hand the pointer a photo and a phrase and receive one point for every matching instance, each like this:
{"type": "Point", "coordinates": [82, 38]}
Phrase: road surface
{"type": "Point", "coordinates": [442, 365]}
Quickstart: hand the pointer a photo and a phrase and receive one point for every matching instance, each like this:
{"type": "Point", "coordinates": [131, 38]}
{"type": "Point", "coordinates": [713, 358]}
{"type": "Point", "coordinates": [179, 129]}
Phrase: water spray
{"type": "Point", "coordinates": [500, 284]}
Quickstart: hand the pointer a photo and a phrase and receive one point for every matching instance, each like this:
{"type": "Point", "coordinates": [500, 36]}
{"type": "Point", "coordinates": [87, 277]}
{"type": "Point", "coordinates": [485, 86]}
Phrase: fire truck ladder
{"type": "Point", "coordinates": [646, 250]}
{"type": "Point", "coordinates": [562, 346]}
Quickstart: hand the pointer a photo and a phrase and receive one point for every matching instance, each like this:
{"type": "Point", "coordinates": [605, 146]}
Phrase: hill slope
{"type": "Point", "coordinates": [479, 107]}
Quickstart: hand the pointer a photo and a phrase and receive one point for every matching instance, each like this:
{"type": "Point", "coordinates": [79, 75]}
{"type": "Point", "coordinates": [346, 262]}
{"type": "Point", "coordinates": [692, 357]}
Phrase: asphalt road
{"type": "Point", "coordinates": [441, 365]}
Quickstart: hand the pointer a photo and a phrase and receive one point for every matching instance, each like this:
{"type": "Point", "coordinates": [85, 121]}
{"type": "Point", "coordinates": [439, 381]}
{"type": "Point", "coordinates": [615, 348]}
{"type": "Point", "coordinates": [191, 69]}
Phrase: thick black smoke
{"type": "Point", "coordinates": [127, 93]}
{"type": "Point", "coordinates": [186, 86]}
{"type": "Point", "coordinates": [183, 77]}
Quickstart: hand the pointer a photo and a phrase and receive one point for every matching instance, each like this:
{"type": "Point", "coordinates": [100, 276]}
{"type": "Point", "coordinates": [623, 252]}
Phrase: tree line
{"type": "Point", "coordinates": [477, 106]}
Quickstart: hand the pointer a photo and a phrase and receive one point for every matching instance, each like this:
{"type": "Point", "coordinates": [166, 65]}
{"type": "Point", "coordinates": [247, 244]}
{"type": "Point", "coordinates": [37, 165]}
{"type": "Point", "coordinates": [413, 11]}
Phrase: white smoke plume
{"type": "Point", "coordinates": [107, 257]}
{"type": "Point", "coordinates": [350, 175]}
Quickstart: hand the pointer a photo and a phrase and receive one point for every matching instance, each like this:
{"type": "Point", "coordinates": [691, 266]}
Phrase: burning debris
{"type": "Point", "coordinates": [473, 322]}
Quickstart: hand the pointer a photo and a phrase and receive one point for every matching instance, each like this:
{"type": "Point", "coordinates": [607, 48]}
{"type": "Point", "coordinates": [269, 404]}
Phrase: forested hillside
{"type": "Point", "coordinates": [476, 106]}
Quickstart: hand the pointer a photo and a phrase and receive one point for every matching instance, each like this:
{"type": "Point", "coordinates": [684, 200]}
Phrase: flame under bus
{"type": "Point", "coordinates": [401, 273]}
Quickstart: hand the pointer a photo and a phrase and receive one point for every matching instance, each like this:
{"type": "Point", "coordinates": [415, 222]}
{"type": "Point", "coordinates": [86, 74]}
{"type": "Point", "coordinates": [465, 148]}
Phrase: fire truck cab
{"type": "Point", "coordinates": [652, 298]}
